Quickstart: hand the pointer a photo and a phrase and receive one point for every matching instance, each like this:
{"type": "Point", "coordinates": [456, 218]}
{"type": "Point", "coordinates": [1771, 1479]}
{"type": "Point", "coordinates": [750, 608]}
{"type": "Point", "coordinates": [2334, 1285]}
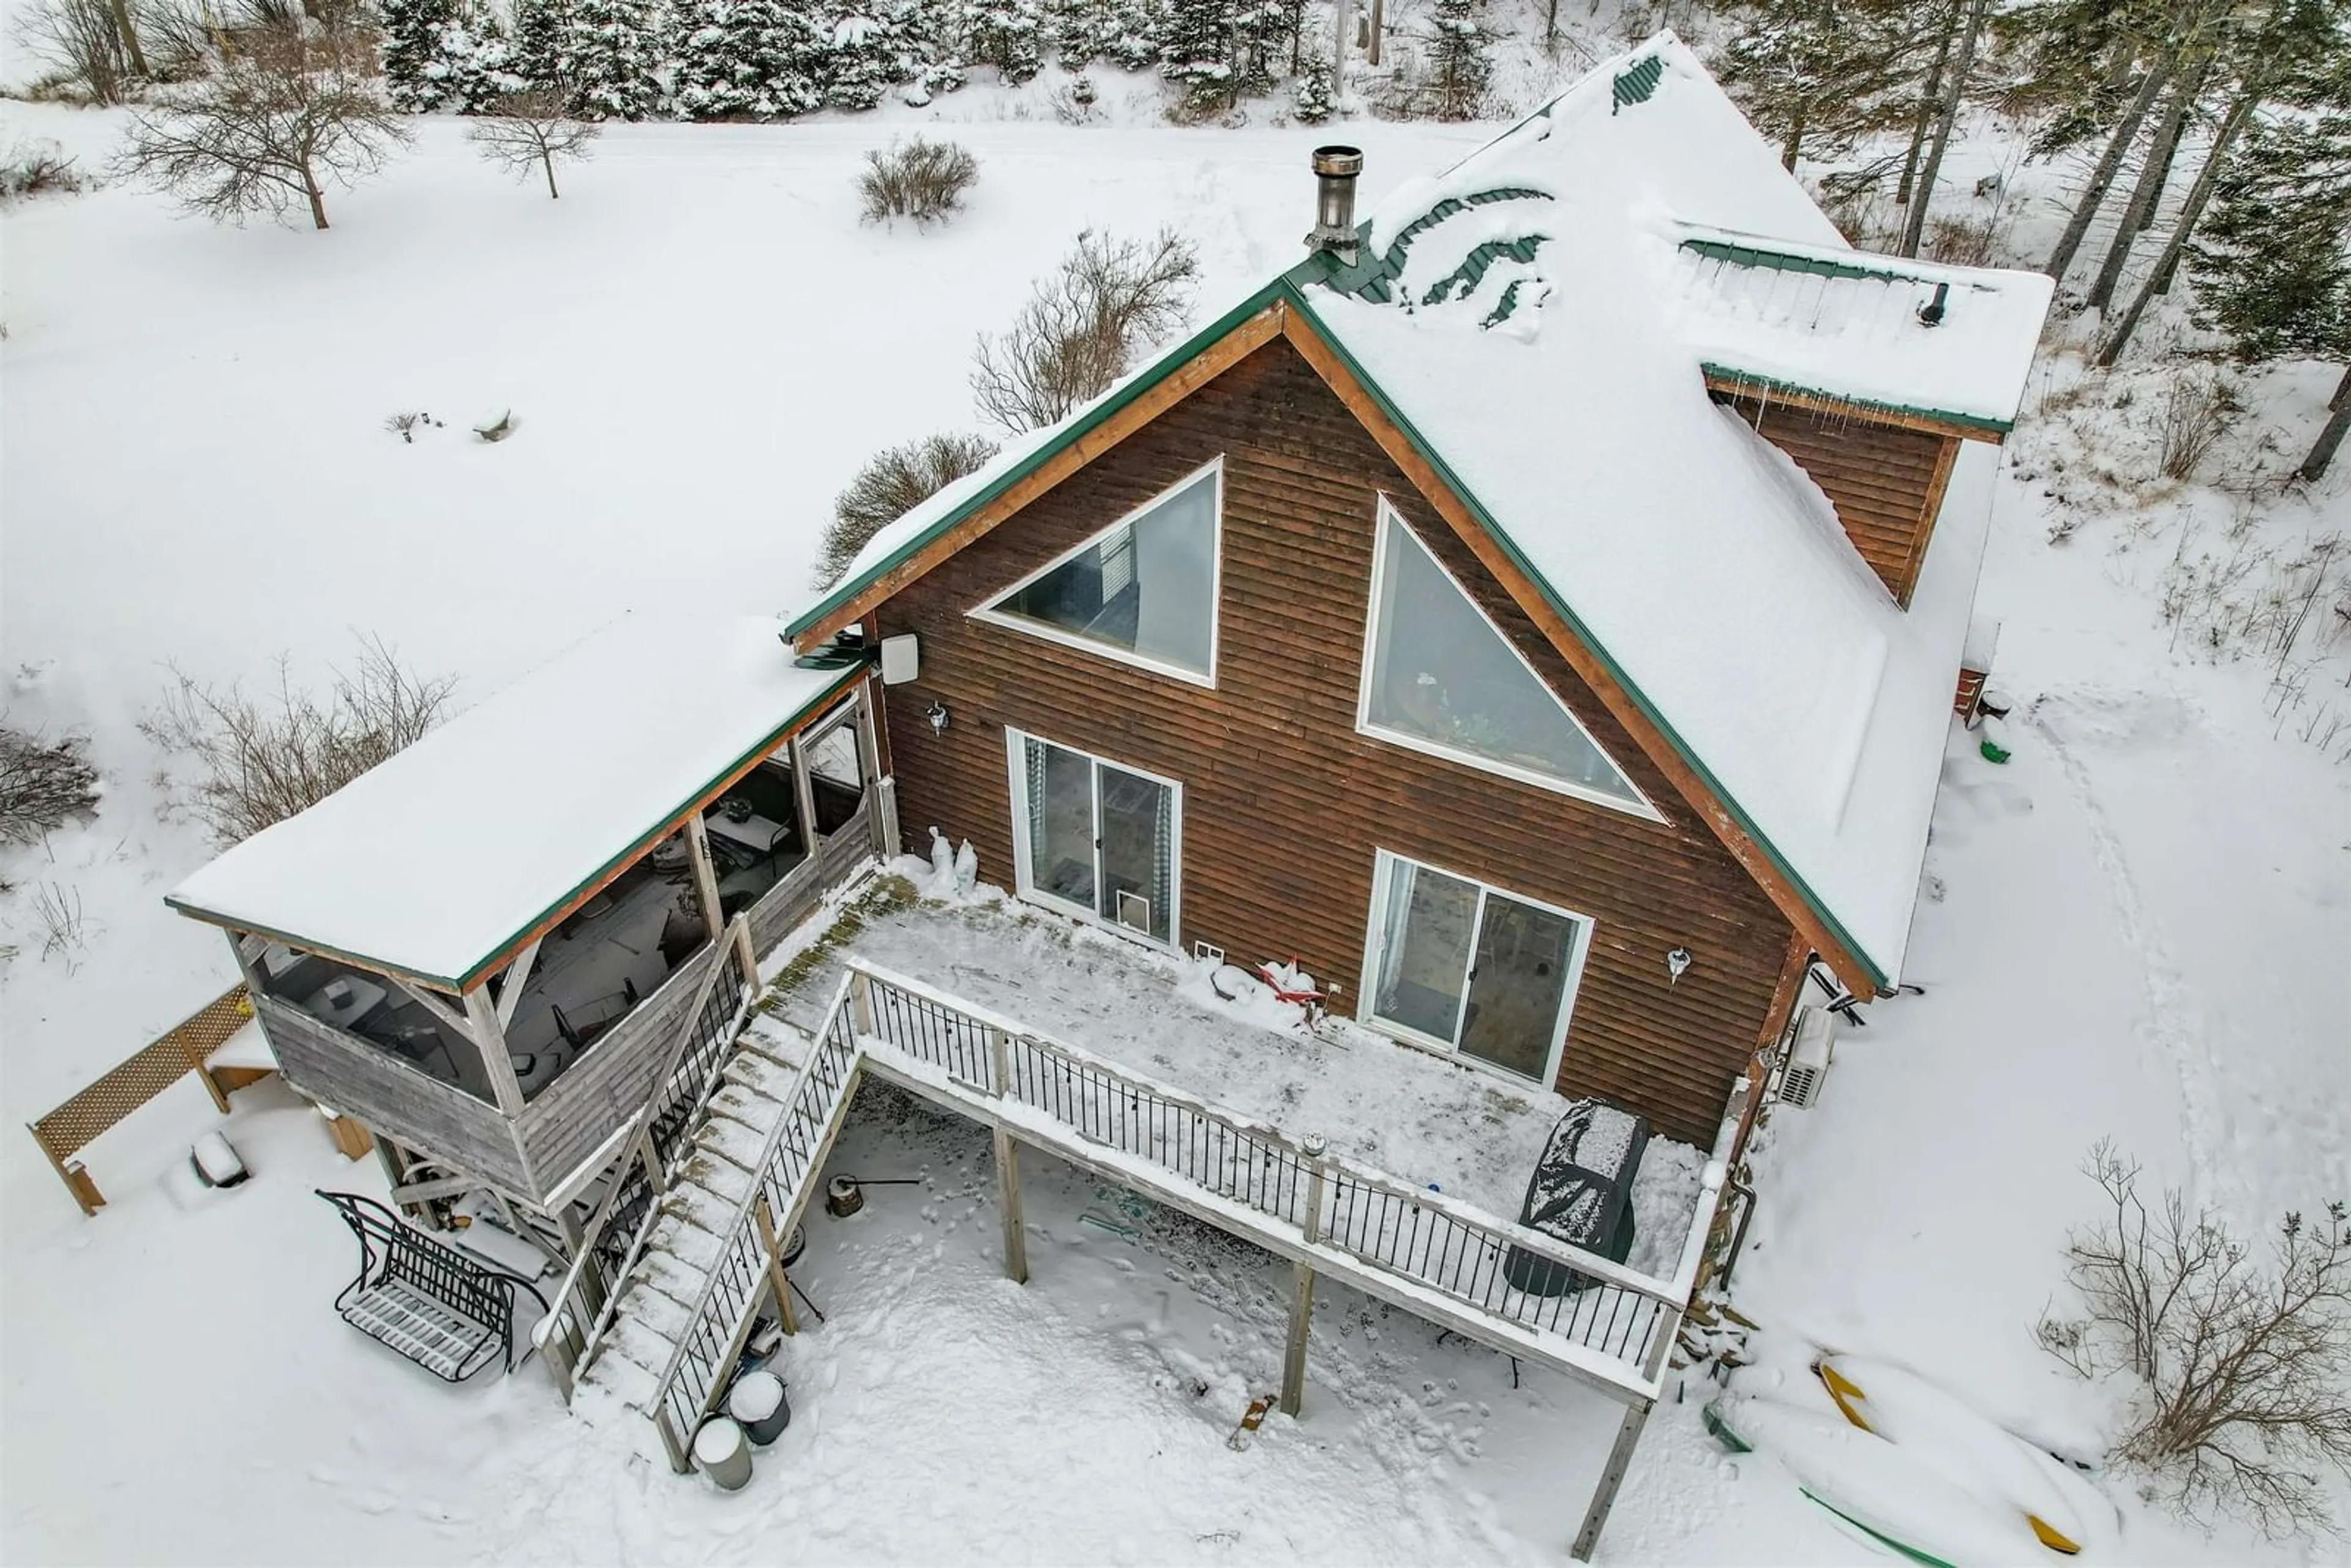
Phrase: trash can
{"type": "Point", "coordinates": [758, 1401]}
{"type": "Point", "coordinates": [722, 1453]}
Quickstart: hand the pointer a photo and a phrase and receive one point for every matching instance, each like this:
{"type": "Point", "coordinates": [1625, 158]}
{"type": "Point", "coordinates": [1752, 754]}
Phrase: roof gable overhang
{"type": "Point", "coordinates": [1281, 310]}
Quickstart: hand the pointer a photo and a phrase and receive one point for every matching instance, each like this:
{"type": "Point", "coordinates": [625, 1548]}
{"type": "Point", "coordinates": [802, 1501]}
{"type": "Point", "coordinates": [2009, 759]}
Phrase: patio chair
{"type": "Point", "coordinates": [441, 1309]}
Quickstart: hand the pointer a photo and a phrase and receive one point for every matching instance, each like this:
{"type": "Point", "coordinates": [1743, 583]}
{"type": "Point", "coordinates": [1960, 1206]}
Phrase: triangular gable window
{"type": "Point", "coordinates": [1142, 590]}
{"type": "Point", "coordinates": [1439, 677]}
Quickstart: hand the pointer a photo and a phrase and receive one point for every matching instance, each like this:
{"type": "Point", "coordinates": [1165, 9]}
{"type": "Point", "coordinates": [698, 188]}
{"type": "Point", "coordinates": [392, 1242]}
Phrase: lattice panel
{"type": "Point", "coordinates": [74, 1126]}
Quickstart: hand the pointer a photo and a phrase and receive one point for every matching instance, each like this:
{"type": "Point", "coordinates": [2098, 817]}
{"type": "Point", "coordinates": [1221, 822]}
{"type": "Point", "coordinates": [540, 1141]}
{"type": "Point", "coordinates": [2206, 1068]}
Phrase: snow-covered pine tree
{"type": "Point", "coordinates": [1460, 59]}
{"type": "Point", "coordinates": [611, 58]}
{"type": "Point", "coordinates": [2273, 260]}
{"type": "Point", "coordinates": [1007, 34]}
{"type": "Point", "coordinates": [535, 52]}
{"type": "Point", "coordinates": [866, 47]}
{"type": "Point", "coordinates": [1312, 92]}
{"type": "Point", "coordinates": [738, 58]}
{"type": "Point", "coordinates": [1195, 51]}
{"type": "Point", "coordinates": [444, 55]}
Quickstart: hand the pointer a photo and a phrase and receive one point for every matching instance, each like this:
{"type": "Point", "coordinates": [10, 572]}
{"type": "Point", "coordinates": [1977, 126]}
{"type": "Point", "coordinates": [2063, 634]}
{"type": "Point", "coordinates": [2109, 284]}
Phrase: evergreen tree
{"type": "Point", "coordinates": [2273, 262]}
{"type": "Point", "coordinates": [1819, 75]}
{"type": "Point", "coordinates": [1459, 59]}
{"type": "Point", "coordinates": [865, 47]}
{"type": "Point", "coordinates": [739, 59]}
{"type": "Point", "coordinates": [535, 53]}
{"type": "Point", "coordinates": [1313, 90]}
{"type": "Point", "coordinates": [1195, 51]}
{"type": "Point", "coordinates": [611, 57]}
{"type": "Point", "coordinates": [1007, 34]}
{"type": "Point", "coordinates": [444, 55]}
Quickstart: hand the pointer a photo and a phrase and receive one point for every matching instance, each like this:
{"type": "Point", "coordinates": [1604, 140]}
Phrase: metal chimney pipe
{"type": "Point", "coordinates": [1336, 169]}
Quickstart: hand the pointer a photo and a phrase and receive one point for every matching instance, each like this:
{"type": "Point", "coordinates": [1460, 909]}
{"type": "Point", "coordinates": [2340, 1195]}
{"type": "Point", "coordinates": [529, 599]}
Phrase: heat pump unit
{"type": "Point", "coordinates": [1809, 1056]}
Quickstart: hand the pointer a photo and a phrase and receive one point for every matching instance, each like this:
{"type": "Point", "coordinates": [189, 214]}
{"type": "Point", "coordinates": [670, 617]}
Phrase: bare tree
{"type": "Point", "coordinates": [1082, 327]}
{"type": "Point", "coordinates": [892, 484]}
{"type": "Point", "coordinates": [82, 43]}
{"type": "Point", "coordinates": [288, 113]}
{"type": "Point", "coordinates": [527, 132]}
{"type": "Point", "coordinates": [260, 761]}
{"type": "Point", "coordinates": [2244, 1367]}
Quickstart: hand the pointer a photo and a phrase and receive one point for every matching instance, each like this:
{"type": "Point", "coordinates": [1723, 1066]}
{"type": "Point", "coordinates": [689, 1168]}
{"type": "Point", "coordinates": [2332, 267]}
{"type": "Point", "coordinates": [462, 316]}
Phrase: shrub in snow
{"type": "Point", "coordinates": [258, 760]}
{"type": "Point", "coordinates": [44, 784]}
{"type": "Point", "coordinates": [291, 113]}
{"type": "Point", "coordinates": [529, 133]}
{"type": "Point", "coordinates": [747, 59]}
{"type": "Point", "coordinates": [609, 53]}
{"type": "Point", "coordinates": [2198, 409]}
{"type": "Point", "coordinates": [917, 179]}
{"type": "Point", "coordinates": [1083, 325]}
{"type": "Point", "coordinates": [38, 168]}
{"type": "Point", "coordinates": [89, 59]}
{"type": "Point", "coordinates": [888, 488]}
{"type": "Point", "coordinates": [2240, 1363]}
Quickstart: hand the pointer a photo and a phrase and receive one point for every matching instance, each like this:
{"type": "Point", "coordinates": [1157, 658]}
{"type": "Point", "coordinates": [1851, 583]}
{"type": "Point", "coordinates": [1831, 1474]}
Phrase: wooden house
{"type": "Point", "coordinates": [1537, 613]}
{"type": "Point", "coordinates": [487, 948]}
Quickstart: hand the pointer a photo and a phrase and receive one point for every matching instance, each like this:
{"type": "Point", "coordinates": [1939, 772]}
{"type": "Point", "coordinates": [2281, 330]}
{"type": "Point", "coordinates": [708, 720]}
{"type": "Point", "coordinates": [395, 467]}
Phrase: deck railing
{"type": "Point", "coordinates": [648, 1151]}
{"type": "Point", "coordinates": [1432, 1254]}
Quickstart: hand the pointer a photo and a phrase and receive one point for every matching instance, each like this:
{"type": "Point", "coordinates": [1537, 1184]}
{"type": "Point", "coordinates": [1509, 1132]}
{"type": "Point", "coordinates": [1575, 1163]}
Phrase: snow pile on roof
{"type": "Point", "coordinates": [1836, 322]}
{"type": "Point", "coordinates": [435, 860]}
{"type": "Point", "coordinates": [1534, 350]}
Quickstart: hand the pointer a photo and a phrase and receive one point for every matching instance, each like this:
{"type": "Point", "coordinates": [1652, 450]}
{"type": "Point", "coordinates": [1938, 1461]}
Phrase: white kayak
{"type": "Point", "coordinates": [1893, 1497]}
{"type": "Point", "coordinates": [2064, 1511]}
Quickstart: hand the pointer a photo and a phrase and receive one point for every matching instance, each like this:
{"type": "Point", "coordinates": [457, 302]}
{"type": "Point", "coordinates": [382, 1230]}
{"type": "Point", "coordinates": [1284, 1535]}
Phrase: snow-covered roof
{"type": "Point", "coordinates": [1551, 276]}
{"type": "Point", "coordinates": [433, 862]}
{"type": "Point", "coordinates": [1833, 321]}
{"type": "Point", "coordinates": [1538, 319]}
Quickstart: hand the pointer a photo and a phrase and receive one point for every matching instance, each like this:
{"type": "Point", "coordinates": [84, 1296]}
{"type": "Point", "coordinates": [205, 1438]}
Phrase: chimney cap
{"type": "Point", "coordinates": [1339, 162]}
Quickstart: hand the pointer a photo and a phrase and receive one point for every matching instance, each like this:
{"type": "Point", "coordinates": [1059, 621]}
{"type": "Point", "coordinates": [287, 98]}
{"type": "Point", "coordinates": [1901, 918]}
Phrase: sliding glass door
{"type": "Point", "coordinates": [1469, 967]}
{"type": "Point", "coordinates": [1094, 837]}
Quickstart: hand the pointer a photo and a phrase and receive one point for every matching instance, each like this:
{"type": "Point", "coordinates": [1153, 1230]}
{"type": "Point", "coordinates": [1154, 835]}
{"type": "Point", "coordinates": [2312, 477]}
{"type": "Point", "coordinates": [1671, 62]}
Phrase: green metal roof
{"type": "Point", "coordinates": [1635, 82]}
{"type": "Point", "coordinates": [1766, 385]}
{"type": "Point", "coordinates": [1736, 255]}
{"type": "Point", "coordinates": [1372, 275]}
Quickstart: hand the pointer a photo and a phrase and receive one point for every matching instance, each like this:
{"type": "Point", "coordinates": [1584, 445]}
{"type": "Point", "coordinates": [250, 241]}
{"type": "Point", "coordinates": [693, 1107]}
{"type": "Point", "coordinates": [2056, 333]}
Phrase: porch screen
{"type": "Point", "coordinates": [1146, 587]}
{"type": "Point", "coordinates": [1443, 676]}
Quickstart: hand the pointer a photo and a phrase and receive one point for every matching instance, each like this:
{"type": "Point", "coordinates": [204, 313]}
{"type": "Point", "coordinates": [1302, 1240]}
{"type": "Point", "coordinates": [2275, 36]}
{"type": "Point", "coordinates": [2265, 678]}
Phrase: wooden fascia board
{"type": "Point", "coordinates": [1764, 389]}
{"type": "Point", "coordinates": [1056, 463]}
{"type": "Point", "coordinates": [809, 712]}
{"type": "Point", "coordinates": [1930, 507]}
{"type": "Point", "coordinates": [1712, 805]}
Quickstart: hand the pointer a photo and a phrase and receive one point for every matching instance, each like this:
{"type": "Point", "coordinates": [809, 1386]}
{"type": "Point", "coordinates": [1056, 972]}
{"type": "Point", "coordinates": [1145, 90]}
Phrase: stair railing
{"type": "Point", "coordinates": [567, 1337]}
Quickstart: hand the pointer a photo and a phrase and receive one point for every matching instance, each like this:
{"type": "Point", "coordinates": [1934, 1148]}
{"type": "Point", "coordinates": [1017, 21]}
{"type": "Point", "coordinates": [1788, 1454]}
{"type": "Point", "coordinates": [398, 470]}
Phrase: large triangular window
{"type": "Point", "coordinates": [1440, 677]}
{"type": "Point", "coordinates": [1142, 590]}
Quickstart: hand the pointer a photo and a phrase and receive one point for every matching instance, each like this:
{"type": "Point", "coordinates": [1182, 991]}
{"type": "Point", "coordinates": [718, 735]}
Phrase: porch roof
{"type": "Point", "coordinates": [1425, 1118]}
{"type": "Point", "coordinates": [438, 862]}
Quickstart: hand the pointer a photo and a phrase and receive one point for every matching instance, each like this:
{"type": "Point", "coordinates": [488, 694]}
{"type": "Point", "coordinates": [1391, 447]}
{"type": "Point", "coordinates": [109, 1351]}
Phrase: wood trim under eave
{"type": "Point", "coordinates": [1530, 599]}
{"type": "Point", "coordinates": [1846, 408]}
{"type": "Point", "coordinates": [1205, 367]}
{"type": "Point", "coordinates": [1776, 1018]}
{"type": "Point", "coordinates": [1930, 508]}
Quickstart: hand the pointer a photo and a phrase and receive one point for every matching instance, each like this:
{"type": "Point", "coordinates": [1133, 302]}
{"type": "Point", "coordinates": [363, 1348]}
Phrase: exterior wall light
{"type": "Point", "coordinates": [1677, 963]}
{"type": "Point", "coordinates": [938, 717]}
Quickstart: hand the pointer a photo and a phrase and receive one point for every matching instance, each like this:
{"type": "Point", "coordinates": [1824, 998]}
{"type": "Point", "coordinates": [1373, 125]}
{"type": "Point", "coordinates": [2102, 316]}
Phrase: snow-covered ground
{"type": "Point", "coordinates": [2136, 928]}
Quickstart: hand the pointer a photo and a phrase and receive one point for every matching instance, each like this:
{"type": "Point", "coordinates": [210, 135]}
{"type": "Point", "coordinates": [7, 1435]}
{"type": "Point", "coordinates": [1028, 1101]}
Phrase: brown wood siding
{"type": "Point", "coordinates": [1284, 804]}
{"type": "Point", "coordinates": [1885, 482]}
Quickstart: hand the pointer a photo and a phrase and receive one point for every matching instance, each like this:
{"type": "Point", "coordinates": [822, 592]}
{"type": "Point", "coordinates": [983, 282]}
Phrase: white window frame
{"type": "Point", "coordinates": [1384, 869]}
{"type": "Point", "coordinates": [987, 612]}
{"type": "Point", "coordinates": [1637, 807]}
{"type": "Point", "coordinates": [1016, 757]}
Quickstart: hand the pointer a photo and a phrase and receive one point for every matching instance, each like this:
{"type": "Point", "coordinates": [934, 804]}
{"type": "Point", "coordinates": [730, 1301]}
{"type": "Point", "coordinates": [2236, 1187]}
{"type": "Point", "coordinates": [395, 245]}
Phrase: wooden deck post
{"type": "Point", "coordinates": [781, 1286]}
{"type": "Point", "coordinates": [803, 794]}
{"type": "Point", "coordinates": [1008, 1197]}
{"type": "Point", "coordinates": [489, 1037]}
{"type": "Point", "coordinates": [1612, 1476]}
{"type": "Point", "coordinates": [1293, 1354]}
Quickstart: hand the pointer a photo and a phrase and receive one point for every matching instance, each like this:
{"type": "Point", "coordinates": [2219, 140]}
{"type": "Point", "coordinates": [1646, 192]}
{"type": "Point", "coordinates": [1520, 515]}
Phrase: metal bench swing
{"type": "Point", "coordinates": [441, 1309]}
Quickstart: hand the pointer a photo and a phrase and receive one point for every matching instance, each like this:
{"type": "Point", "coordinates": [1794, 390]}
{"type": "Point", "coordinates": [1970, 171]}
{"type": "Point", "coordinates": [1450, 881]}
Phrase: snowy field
{"type": "Point", "coordinates": [2137, 928]}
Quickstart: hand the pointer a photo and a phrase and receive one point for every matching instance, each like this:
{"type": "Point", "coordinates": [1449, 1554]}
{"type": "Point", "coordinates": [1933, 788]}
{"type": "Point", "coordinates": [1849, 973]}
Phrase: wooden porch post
{"type": "Point", "coordinates": [518, 977]}
{"type": "Point", "coordinates": [1612, 1476]}
{"type": "Point", "coordinates": [1007, 1197]}
{"type": "Point", "coordinates": [489, 1037]}
{"type": "Point", "coordinates": [705, 875]}
{"type": "Point", "coordinates": [777, 1285]}
{"type": "Point", "coordinates": [1293, 1354]}
{"type": "Point", "coordinates": [803, 794]}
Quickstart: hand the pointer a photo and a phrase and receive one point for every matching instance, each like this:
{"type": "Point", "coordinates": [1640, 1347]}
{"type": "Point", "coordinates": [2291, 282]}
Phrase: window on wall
{"type": "Point", "coordinates": [1095, 837]}
{"type": "Point", "coordinates": [1142, 590]}
{"type": "Point", "coordinates": [1461, 964]}
{"type": "Point", "coordinates": [1441, 677]}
